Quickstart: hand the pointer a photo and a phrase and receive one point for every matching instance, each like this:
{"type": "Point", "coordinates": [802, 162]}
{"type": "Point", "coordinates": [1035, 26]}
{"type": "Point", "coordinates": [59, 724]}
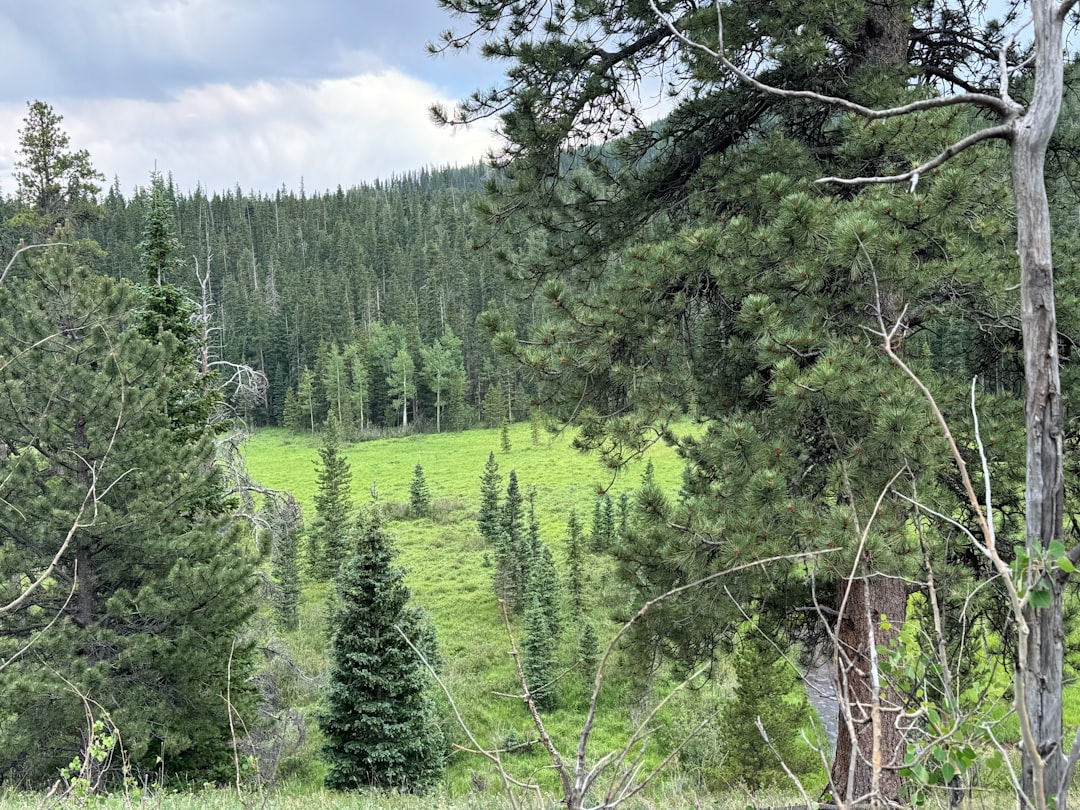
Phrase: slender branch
{"type": "Point", "coordinates": [1002, 131]}
{"type": "Point", "coordinates": [508, 780]}
{"type": "Point", "coordinates": [15, 255]}
{"type": "Point", "coordinates": [985, 100]}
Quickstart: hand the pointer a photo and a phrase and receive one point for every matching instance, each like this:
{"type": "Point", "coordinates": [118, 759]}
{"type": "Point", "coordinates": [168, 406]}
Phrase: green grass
{"type": "Point", "coordinates": [450, 573]}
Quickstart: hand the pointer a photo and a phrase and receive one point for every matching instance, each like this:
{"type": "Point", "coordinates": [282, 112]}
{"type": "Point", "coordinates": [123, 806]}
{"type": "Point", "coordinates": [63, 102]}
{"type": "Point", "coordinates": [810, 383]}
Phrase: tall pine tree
{"type": "Point", "coordinates": [151, 596]}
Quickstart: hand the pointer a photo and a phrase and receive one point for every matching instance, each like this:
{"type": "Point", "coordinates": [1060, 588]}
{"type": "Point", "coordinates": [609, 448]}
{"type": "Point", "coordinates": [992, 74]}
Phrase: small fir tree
{"type": "Point", "coordinates": [285, 571]}
{"type": "Point", "coordinates": [767, 688]}
{"type": "Point", "coordinates": [379, 723]}
{"type": "Point", "coordinates": [575, 558]}
{"type": "Point", "coordinates": [534, 427]}
{"type": "Point", "coordinates": [539, 572]}
{"type": "Point", "coordinates": [624, 516]}
{"type": "Point", "coordinates": [512, 548]}
{"type": "Point", "coordinates": [333, 508]}
{"type": "Point", "coordinates": [588, 651]}
{"type": "Point", "coordinates": [419, 493]}
{"type": "Point", "coordinates": [504, 438]}
{"type": "Point", "coordinates": [538, 661]}
{"type": "Point", "coordinates": [603, 528]}
{"type": "Point", "coordinates": [489, 520]}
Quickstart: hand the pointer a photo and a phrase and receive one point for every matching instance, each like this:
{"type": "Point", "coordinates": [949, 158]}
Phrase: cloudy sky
{"type": "Point", "coordinates": [258, 93]}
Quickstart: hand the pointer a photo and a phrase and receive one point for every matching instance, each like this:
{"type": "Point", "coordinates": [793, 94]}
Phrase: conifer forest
{"type": "Point", "coordinates": [715, 452]}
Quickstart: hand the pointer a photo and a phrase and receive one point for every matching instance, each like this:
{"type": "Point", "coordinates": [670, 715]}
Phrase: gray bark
{"type": "Point", "coordinates": [1044, 489]}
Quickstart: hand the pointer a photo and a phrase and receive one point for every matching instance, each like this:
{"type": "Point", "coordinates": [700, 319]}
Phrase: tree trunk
{"type": "Point", "coordinates": [1042, 656]}
{"type": "Point", "coordinates": [870, 745]}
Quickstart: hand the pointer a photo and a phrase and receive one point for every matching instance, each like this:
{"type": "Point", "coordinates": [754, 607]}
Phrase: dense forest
{"type": "Point", "coordinates": [363, 301]}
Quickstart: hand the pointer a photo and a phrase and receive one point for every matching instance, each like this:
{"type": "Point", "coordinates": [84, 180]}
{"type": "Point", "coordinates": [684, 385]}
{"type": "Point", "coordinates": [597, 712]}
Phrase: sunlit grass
{"type": "Point", "coordinates": [450, 574]}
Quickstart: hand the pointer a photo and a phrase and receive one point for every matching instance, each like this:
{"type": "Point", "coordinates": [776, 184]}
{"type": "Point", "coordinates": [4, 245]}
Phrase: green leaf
{"type": "Point", "coordinates": [1040, 598]}
{"type": "Point", "coordinates": [947, 772]}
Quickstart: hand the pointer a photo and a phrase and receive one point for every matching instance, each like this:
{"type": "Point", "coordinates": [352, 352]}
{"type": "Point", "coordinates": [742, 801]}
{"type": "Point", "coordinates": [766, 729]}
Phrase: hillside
{"type": "Point", "coordinates": [450, 573]}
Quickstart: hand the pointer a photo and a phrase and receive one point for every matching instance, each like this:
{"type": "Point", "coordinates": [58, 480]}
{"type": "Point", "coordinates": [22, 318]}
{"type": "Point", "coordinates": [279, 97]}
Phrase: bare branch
{"type": "Point", "coordinates": [1002, 132]}
{"type": "Point", "coordinates": [984, 100]}
{"type": "Point", "coordinates": [15, 255]}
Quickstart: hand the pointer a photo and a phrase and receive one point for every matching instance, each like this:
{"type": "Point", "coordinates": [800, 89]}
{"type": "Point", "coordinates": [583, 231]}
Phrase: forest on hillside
{"type": "Point", "coordinates": [839, 276]}
{"type": "Point", "coordinates": [362, 301]}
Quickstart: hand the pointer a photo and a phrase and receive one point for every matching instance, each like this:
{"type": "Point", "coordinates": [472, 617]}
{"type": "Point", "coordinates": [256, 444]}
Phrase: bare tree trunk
{"type": "Point", "coordinates": [1044, 489]}
{"type": "Point", "coordinates": [870, 745]}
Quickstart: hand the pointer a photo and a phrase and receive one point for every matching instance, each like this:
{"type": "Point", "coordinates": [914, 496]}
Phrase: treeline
{"type": "Point", "coordinates": [358, 303]}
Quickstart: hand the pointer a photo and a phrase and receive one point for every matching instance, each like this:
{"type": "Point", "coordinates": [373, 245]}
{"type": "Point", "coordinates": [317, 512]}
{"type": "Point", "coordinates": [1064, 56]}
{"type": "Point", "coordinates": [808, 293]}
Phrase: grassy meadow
{"type": "Point", "coordinates": [450, 571]}
{"type": "Point", "coordinates": [450, 575]}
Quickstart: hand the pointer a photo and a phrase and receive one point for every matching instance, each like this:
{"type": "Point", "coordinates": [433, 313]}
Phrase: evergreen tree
{"type": "Point", "coordinates": [588, 650]}
{"type": "Point", "coordinates": [419, 494]}
{"type": "Point", "coordinates": [328, 537]}
{"type": "Point", "coordinates": [167, 317]}
{"type": "Point", "coordinates": [539, 575]}
{"type": "Point", "coordinates": [534, 427]}
{"type": "Point", "coordinates": [512, 549]}
{"type": "Point", "coordinates": [285, 570]}
{"type": "Point", "coordinates": [538, 662]}
{"type": "Point", "coordinates": [151, 597]}
{"type": "Point", "coordinates": [504, 437]}
{"type": "Point", "coordinates": [602, 536]}
{"type": "Point", "coordinates": [56, 185]}
{"type": "Point", "coordinates": [765, 329]}
{"type": "Point", "coordinates": [768, 688]}
{"type": "Point", "coordinates": [379, 724]}
{"type": "Point", "coordinates": [575, 561]}
{"type": "Point", "coordinates": [489, 518]}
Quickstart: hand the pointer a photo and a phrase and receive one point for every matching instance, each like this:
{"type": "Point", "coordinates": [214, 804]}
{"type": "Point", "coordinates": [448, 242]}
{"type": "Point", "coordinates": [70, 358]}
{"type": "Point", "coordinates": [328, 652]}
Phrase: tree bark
{"type": "Point", "coordinates": [1041, 672]}
{"type": "Point", "coordinates": [870, 744]}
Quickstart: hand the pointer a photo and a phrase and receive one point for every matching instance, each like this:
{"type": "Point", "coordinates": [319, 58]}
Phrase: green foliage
{"type": "Point", "coordinates": [575, 563]}
{"type": "Point", "coordinates": [419, 494]}
{"type": "Point", "coordinates": [285, 571]}
{"type": "Point", "coordinates": [767, 690]}
{"type": "Point", "coordinates": [151, 597]}
{"type": "Point", "coordinates": [56, 184]}
{"type": "Point", "coordinates": [538, 654]}
{"type": "Point", "coordinates": [504, 437]}
{"type": "Point", "coordinates": [513, 549]}
{"type": "Point", "coordinates": [588, 651]}
{"type": "Point", "coordinates": [489, 518]}
{"type": "Point", "coordinates": [328, 536]}
{"type": "Point", "coordinates": [602, 536]}
{"type": "Point", "coordinates": [379, 725]}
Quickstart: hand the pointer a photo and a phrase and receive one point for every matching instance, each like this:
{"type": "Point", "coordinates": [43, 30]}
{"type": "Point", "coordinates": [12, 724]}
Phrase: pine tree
{"type": "Point", "coordinates": [419, 494]}
{"type": "Point", "coordinates": [57, 185]}
{"type": "Point", "coordinates": [379, 725]}
{"type": "Point", "coordinates": [328, 537]}
{"type": "Point", "coordinates": [504, 437]}
{"type": "Point", "coordinates": [154, 590]}
{"type": "Point", "coordinates": [489, 518]}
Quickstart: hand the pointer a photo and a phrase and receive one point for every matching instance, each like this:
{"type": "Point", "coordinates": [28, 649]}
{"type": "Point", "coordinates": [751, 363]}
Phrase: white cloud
{"type": "Point", "coordinates": [262, 135]}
